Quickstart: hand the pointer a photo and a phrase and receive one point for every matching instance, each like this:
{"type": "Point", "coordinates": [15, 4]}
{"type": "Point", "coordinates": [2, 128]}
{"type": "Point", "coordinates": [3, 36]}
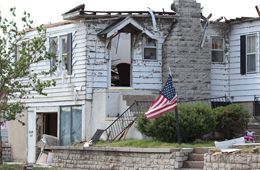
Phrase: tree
{"type": "Point", "coordinates": [18, 53]}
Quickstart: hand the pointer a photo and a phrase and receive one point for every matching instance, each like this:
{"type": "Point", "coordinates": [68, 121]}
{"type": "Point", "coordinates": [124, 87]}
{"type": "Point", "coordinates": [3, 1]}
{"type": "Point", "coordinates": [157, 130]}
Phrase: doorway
{"type": "Point", "coordinates": [46, 123]}
{"type": "Point", "coordinates": [121, 60]}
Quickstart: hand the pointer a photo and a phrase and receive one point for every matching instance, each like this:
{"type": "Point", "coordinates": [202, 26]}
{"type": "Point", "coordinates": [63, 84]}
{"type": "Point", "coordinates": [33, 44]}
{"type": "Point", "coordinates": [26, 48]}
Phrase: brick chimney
{"type": "Point", "coordinates": [190, 64]}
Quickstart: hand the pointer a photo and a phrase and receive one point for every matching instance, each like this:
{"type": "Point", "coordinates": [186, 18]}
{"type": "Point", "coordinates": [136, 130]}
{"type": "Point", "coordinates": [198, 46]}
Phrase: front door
{"type": "Point", "coordinates": [31, 137]}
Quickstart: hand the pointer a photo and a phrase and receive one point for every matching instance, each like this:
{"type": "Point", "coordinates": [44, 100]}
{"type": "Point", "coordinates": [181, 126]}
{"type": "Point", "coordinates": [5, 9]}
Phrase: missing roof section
{"type": "Point", "coordinates": [129, 25]}
{"type": "Point", "coordinates": [79, 13]}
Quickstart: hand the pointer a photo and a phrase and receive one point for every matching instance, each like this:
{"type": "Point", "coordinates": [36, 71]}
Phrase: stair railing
{"type": "Point", "coordinates": [124, 121]}
{"type": "Point", "coordinates": [128, 117]}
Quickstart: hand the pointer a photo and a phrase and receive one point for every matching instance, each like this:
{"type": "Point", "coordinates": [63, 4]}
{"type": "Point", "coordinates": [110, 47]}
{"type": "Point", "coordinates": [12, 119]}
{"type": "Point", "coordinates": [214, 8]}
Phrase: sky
{"type": "Point", "coordinates": [49, 11]}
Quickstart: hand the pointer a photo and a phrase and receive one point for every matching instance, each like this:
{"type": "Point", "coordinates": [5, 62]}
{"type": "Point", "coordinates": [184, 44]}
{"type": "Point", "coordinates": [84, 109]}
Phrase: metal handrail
{"type": "Point", "coordinates": [128, 117]}
{"type": "Point", "coordinates": [125, 120]}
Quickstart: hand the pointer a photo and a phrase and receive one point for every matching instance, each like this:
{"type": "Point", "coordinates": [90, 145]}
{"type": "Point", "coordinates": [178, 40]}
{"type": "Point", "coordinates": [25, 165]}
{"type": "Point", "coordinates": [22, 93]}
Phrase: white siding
{"type": "Point", "coordinates": [219, 71]}
{"type": "Point", "coordinates": [242, 87]}
{"type": "Point", "coordinates": [145, 74]}
{"type": "Point", "coordinates": [69, 89]}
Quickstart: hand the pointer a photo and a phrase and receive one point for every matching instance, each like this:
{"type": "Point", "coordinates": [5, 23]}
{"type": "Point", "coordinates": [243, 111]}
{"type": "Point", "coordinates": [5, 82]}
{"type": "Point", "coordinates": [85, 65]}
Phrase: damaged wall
{"type": "Point", "coordinates": [190, 64]}
{"type": "Point", "coordinates": [220, 83]}
{"type": "Point", "coordinates": [145, 74]}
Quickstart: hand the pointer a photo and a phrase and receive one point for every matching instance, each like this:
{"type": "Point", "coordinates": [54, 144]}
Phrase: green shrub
{"type": "Point", "coordinates": [231, 120]}
{"type": "Point", "coordinates": [196, 120]}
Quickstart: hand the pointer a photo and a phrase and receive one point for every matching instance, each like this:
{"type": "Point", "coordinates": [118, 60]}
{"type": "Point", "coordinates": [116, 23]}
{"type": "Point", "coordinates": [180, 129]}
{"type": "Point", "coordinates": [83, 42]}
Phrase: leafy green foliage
{"type": "Point", "coordinates": [195, 121]}
{"type": "Point", "coordinates": [231, 120]}
{"type": "Point", "coordinates": [18, 52]}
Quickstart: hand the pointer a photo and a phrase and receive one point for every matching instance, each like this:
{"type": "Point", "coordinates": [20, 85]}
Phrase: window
{"type": "Point", "coordinates": [251, 53]}
{"type": "Point", "coordinates": [149, 48]}
{"type": "Point", "coordinates": [217, 49]}
{"type": "Point", "coordinates": [17, 54]}
{"type": "Point", "coordinates": [64, 52]}
{"type": "Point", "coordinates": [70, 125]}
{"type": "Point", "coordinates": [64, 43]}
{"type": "Point", "coordinates": [54, 50]}
{"type": "Point", "coordinates": [248, 53]}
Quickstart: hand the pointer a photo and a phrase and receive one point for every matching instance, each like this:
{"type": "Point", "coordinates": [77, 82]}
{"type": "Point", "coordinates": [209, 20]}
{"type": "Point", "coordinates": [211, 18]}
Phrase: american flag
{"type": "Point", "coordinates": [165, 102]}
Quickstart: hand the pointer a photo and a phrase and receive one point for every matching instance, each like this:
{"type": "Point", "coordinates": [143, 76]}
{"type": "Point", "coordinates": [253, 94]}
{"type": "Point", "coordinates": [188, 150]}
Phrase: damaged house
{"type": "Point", "coordinates": [109, 59]}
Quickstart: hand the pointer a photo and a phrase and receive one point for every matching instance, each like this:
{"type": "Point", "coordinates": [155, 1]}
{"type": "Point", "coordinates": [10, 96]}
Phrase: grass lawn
{"type": "Point", "coordinates": [154, 144]}
{"type": "Point", "coordinates": [21, 167]}
{"type": "Point", "coordinates": [11, 167]}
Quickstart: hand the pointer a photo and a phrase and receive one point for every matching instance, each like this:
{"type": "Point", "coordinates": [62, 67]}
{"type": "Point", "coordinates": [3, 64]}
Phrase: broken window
{"type": "Point", "coordinates": [217, 49]}
{"type": "Point", "coordinates": [64, 43]}
{"type": "Point", "coordinates": [121, 60]}
{"type": "Point", "coordinates": [149, 48]}
{"type": "Point", "coordinates": [70, 125]}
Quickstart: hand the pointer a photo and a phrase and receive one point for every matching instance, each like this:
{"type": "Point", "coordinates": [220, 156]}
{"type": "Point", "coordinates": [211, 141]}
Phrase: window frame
{"type": "Point", "coordinates": [52, 60]}
{"type": "Point", "coordinates": [252, 53]}
{"type": "Point", "coordinates": [145, 46]}
{"type": "Point", "coordinates": [65, 66]}
{"type": "Point", "coordinates": [64, 63]}
{"type": "Point", "coordinates": [218, 49]}
{"type": "Point", "coordinates": [111, 65]}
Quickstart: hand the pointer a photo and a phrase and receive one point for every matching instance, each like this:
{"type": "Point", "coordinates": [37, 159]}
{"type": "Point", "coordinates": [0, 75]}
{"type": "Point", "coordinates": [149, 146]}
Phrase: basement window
{"type": "Point", "coordinates": [149, 48]}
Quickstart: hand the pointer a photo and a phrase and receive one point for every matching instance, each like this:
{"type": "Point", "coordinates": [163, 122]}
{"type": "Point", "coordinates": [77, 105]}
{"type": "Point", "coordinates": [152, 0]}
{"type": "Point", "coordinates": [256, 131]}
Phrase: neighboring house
{"type": "Point", "coordinates": [108, 59]}
{"type": "Point", "coordinates": [235, 64]}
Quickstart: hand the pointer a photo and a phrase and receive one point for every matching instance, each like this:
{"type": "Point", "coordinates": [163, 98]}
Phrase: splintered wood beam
{"type": "Point", "coordinates": [257, 10]}
{"type": "Point", "coordinates": [209, 16]}
{"type": "Point", "coordinates": [203, 17]}
{"type": "Point", "coordinates": [219, 19]}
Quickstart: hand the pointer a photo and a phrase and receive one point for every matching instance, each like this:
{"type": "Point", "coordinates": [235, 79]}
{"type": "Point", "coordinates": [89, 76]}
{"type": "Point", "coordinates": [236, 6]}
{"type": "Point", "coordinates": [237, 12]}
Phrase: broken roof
{"type": "Point", "coordinates": [79, 14]}
{"type": "Point", "coordinates": [241, 20]}
{"type": "Point", "coordinates": [127, 22]}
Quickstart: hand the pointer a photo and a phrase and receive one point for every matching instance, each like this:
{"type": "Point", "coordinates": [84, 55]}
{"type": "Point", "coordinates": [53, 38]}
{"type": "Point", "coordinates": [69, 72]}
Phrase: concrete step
{"type": "Point", "coordinates": [253, 119]}
{"type": "Point", "coordinates": [193, 164]}
{"type": "Point", "coordinates": [196, 157]}
{"type": "Point", "coordinates": [201, 150]}
{"type": "Point", "coordinates": [257, 118]}
{"type": "Point", "coordinates": [257, 138]}
{"type": "Point", "coordinates": [190, 169]}
{"type": "Point", "coordinates": [253, 126]}
{"type": "Point", "coordinates": [257, 131]}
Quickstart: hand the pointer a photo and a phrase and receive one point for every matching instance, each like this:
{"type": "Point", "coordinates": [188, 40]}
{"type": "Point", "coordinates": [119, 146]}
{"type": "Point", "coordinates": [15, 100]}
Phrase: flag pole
{"type": "Point", "coordinates": [177, 125]}
{"type": "Point", "coordinates": [177, 118]}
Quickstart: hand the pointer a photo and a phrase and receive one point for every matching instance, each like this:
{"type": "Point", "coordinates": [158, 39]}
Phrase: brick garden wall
{"type": "Point", "coordinates": [119, 158]}
{"type": "Point", "coordinates": [7, 153]}
{"type": "Point", "coordinates": [232, 161]}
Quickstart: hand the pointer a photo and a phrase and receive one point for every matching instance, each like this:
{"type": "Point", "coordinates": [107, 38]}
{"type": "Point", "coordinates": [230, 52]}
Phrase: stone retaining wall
{"type": "Point", "coordinates": [7, 153]}
{"type": "Point", "coordinates": [232, 161]}
{"type": "Point", "coordinates": [119, 158]}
